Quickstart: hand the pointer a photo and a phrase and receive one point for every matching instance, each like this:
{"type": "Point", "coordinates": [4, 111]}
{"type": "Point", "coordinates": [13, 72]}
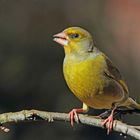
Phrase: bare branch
{"type": "Point", "coordinates": [36, 115]}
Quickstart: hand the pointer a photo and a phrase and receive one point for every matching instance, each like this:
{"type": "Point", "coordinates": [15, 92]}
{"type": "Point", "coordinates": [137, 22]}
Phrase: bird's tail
{"type": "Point", "coordinates": [131, 104]}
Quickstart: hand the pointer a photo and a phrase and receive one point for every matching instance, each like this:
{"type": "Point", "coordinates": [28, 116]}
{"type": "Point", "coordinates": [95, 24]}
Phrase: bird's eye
{"type": "Point", "coordinates": [74, 35]}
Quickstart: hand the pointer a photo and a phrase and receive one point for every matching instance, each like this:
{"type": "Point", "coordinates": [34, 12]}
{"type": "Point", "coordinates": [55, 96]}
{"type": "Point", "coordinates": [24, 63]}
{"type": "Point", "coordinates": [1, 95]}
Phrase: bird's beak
{"type": "Point", "coordinates": [61, 38]}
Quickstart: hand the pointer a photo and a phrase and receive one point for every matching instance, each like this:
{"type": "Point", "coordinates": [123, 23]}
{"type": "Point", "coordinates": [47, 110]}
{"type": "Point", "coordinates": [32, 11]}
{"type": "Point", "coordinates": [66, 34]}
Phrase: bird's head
{"type": "Point", "coordinates": [75, 40]}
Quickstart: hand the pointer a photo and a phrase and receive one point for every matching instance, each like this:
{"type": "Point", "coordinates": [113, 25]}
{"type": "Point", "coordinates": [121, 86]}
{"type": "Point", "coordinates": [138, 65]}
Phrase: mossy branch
{"type": "Point", "coordinates": [36, 115]}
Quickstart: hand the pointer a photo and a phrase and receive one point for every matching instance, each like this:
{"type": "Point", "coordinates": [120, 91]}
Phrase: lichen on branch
{"type": "Point", "coordinates": [36, 115]}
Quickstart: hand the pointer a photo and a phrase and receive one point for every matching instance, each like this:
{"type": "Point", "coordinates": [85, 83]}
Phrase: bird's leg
{"type": "Point", "coordinates": [109, 120]}
{"type": "Point", "coordinates": [74, 113]}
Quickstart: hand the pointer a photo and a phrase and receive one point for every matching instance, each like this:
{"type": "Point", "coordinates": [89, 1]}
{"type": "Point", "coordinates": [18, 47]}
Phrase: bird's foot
{"type": "Point", "coordinates": [74, 115]}
{"type": "Point", "coordinates": [98, 117]}
{"type": "Point", "coordinates": [109, 121]}
{"type": "Point", "coordinates": [103, 115]}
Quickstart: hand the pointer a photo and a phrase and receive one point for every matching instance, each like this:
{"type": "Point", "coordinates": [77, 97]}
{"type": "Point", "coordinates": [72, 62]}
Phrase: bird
{"type": "Point", "coordinates": [91, 76]}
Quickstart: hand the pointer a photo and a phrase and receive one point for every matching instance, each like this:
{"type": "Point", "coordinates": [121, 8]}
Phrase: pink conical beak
{"type": "Point", "coordinates": [61, 38]}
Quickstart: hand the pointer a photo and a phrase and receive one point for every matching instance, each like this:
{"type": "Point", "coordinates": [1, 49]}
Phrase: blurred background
{"type": "Point", "coordinates": [31, 74]}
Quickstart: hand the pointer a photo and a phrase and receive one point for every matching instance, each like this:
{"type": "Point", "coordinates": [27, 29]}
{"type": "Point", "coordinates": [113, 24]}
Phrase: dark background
{"type": "Point", "coordinates": [31, 63]}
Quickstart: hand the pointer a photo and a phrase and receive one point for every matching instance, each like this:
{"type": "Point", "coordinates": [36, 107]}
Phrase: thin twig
{"type": "Point", "coordinates": [36, 115]}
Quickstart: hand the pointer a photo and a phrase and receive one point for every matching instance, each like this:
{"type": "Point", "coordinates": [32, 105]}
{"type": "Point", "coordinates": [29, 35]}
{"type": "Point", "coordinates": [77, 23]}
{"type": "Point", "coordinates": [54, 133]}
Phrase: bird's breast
{"type": "Point", "coordinates": [85, 77]}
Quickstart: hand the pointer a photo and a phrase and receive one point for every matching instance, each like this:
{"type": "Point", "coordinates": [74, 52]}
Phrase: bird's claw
{"type": "Point", "coordinates": [109, 120]}
{"type": "Point", "coordinates": [73, 115]}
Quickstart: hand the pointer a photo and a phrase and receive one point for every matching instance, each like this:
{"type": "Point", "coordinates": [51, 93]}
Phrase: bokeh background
{"type": "Point", "coordinates": [31, 63]}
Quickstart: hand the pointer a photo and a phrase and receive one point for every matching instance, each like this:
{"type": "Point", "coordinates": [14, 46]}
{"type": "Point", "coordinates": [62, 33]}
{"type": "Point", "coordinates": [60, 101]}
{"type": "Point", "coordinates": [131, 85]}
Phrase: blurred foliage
{"type": "Point", "coordinates": [31, 63]}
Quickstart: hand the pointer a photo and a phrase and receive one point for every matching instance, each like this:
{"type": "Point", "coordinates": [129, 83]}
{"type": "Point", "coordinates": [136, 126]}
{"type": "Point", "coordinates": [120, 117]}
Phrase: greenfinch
{"type": "Point", "coordinates": [91, 76]}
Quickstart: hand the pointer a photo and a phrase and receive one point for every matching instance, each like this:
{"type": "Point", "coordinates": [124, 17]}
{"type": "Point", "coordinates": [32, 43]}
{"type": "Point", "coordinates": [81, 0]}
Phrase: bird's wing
{"type": "Point", "coordinates": [112, 72]}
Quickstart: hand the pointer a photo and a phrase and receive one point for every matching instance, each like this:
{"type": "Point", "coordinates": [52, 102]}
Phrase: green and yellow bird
{"type": "Point", "coordinates": [91, 76]}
